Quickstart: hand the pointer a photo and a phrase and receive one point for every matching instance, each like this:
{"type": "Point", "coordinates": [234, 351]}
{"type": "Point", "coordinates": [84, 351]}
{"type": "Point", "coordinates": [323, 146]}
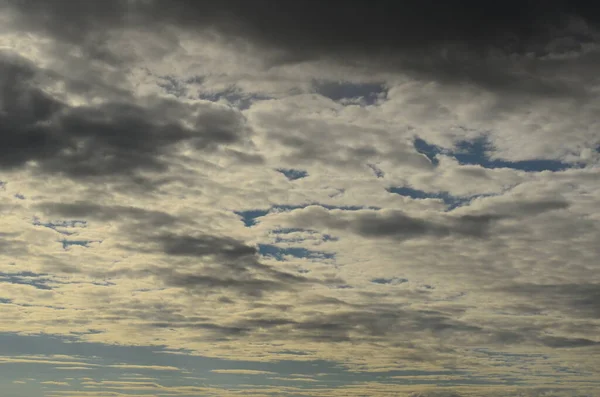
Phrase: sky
{"type": "Point", "coordinates": [299, 198]}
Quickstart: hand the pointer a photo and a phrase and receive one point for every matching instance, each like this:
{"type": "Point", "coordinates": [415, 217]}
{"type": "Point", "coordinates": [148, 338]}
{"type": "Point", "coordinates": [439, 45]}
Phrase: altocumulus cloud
{"type": "Point", "coordinates": [299, 198]}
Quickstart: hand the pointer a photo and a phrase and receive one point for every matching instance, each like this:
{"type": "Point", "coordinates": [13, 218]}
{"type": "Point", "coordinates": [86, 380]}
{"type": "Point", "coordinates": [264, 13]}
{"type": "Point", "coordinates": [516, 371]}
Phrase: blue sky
{"type": "Point", "coordinates": [223, 199]}
{"type": "Point", "coordinates": [50, 365]}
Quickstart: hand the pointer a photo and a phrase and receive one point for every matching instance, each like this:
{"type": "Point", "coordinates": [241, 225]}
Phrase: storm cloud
{"type": "Point", "coordinates": [513, 45]}
{"type": "Point", "coordinates": [110, 139]}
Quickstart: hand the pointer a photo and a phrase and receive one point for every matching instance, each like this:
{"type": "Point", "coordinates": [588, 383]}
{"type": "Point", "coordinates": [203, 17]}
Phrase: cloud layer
{"type": "Point", "coordinates": [277, 198]}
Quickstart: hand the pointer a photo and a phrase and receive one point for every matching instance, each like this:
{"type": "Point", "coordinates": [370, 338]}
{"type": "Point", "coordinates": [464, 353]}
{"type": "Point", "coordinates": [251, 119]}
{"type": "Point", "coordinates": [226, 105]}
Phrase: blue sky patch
{"type": "Point", "coordinates": [477, 152]}
{"type": "Point", "coordinates": [282, 235]}
{"type": "Point", "coordinates": [109, 362]}
{"type": "Point", "coordinates": [280, 253]}
{"type": "Point", "coordinates": [292, 174]}
{"type": "Point", "coordinates": [38, 281]}
{"type": "Point", "coordinates": [57, 226]}
{"type": "Point", "coordinates": [81, 243]}
{"type": "Point", "coordinates": [431, 151]}
{"type": "Point", "coordinates": [249, 217]}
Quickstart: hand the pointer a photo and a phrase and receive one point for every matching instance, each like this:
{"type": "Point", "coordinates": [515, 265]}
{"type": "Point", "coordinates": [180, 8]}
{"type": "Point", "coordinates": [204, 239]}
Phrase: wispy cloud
{"type": "Point", "coordinates": [242, 372]}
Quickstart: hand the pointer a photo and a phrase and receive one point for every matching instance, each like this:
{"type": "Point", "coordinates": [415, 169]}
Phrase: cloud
{"type": "Point", "coordinates": [41, 360]}
{"type": "Point", "coordinates": [401, 226]}
{"type": "Point", "coordinates": [88, 210]}
{"type": "Point", "coordinates": [562, 342]}
{"type": "Point", "coordinates": [383, 193]}
{"type": "Point", "coordinates": [55, 383]}
{"type": "Point", "coordinates": [151, 367]}
{"type": "Point", "coordinates": [75, 368]}
{"type": "Point", "coordinates": [512, 46]}
{"type": "Point", "coordinates": [108, 139]}
{"type": "Point", "coordinates": [579, 300]}
{"type": "Point", "coordinates": [242, 372]}
{"type": "Point", "coordinates": [236, 266]}
{"type": "Point", "coordinates": [225, 248]}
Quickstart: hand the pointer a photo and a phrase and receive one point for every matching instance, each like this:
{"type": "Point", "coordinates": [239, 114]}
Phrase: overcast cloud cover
{"type": "Point", "coordinates": [299, 198]}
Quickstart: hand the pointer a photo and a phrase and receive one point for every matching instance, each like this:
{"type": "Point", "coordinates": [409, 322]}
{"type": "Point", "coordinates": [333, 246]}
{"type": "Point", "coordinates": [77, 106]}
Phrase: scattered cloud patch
{"type": "Point", "coordinates": [242, 372]}
{"type": "Point", "coordinates": [348, 92]}
{"type": "Point", "coordinates": [150, 367]}
{"type": "Point", "coordinates": [233, 97]}
{"type": "Point", "coordinates": [451, 201]}
{"type": "Point", "coordinates": [173, 86]}
{"type": "Point", "coordinates": [54, 383]}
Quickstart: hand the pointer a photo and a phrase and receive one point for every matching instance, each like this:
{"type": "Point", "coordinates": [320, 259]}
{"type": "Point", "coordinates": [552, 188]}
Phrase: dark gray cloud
{"type": "Point", "coordinates": [311, 26]}
{"type": "Point", "coordinates": [170, 315]}
{"type": "Point", "coordinates": [508, 45]}
{"type": "Point", "coordinates": [391, 224]}
{"type": "Point", "coordinates": [391, 325]}
{"type": "Point", "coordinates": [362, 322]}
{"type": "Point", "coordinates": [213, 281]}
{"type": "Point", "coordinates": [365, 322]}
{"type": "Point", "coordinates": [401, 226]}
{"type": "Point", "coordinates": [578, 300]}
{"type": "Point", "coordinates": [236, 265]}
{"type": "Point", "coordinates": [105, 213]}
{"type": "Point", "coordinates": [396, 225]}
{"type": "Point", "coordinates": [202, 246]}
{"type": "Point", "coordinates": [228, 263]}
{"type": "Point", "coordinates": [216, 278]}
{"type": "Point", "coordinates": [115, 138]}
{"type": "Point", "coordinates": [525, 208]}
{"type": "Point", "coordinates": [374, 321]}
{"type": "Point", "coordinates": [208, 264]}
{"type": "Point", "coordinates": [562, 342]}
